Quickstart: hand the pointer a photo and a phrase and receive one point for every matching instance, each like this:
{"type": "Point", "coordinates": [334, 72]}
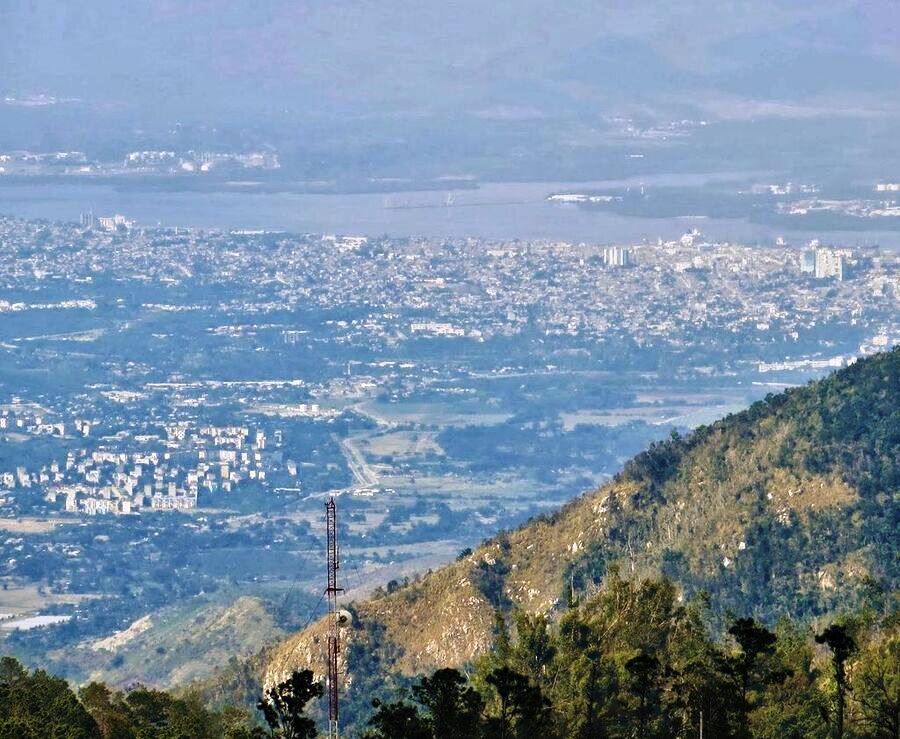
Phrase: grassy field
{"type": "Point", "coordinates": [403, 444]}
{"type": "Point", "coordinates": [430, 414]}
{"type": "Point", "coordinates": [23, 600]}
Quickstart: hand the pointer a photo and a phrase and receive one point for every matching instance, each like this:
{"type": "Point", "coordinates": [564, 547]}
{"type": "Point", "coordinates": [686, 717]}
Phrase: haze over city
{"type": "Point", "coordinates": [355, 355]}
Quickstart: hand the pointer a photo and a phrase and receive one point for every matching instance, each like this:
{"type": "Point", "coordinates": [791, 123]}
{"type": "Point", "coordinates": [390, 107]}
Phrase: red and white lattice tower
{"type": "Point", "coordinates": [331, 591]}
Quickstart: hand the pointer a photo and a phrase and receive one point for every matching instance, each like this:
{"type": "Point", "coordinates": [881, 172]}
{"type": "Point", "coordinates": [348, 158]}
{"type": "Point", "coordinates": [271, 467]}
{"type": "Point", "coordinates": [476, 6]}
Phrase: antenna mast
{"type": "Point", "coordinates": [332, 592]}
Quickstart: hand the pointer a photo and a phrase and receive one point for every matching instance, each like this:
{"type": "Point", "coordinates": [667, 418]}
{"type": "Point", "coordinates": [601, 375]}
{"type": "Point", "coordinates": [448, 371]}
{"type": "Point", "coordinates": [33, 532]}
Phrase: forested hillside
{"type": "Point", "coordinates": [788, 509]}
{"type": "Point", "coordinates": [742, 579]}
{"type": "Point", "coordinates": [632, 661]}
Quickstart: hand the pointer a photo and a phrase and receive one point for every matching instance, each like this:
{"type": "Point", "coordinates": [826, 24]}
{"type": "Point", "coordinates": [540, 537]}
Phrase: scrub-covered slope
{"type": "Point", "coordinates": [790, 507]}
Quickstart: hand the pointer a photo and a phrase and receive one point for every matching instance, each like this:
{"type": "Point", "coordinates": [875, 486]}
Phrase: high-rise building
{"type": "Point", "coordinates": [829, 263]}
{"type": "Point", "coordinates": [617, 256]}
{"type": "Point", "coordinates": [113, 223]}
{"type": "Point", "coordinates": [808, 262]}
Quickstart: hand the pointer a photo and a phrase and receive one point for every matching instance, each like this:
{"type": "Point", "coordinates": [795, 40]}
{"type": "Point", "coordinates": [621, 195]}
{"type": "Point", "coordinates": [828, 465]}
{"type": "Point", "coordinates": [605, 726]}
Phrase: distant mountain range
{"type": "Point", "coordinates": [497, 91]}
{"type": "Point", "coordinates": [789, 508]}
{"type": "Point", "coordinates": [418, 58]}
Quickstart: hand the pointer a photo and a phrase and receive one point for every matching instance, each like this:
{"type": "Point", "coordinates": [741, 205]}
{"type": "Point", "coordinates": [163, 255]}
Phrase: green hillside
{"type": "Point", "coordinates": [789, 508]}
{"type": "Point", "coordinates": [742, 579]}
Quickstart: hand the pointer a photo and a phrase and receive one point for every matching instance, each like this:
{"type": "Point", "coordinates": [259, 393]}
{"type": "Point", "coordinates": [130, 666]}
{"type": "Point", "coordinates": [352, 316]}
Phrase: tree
{"type": "Point", "coordinates": [453, 706]}
{"type": "Point", "coordinates": [755, 642]}
{"type": "Point", "coordinates": [34, 705]}
{"type": "Point", "coordinates": [149, 711]}
{"type": "Point", "coordinates": [643, 669]}
{"type": "Point", "coordinates": [793, 708]}
{"type": "Point", "coordinates": [842, 645]}
{"type": "Point", "coordinates": [694, 674]}
{"type": "Point", "coordinates": [283, 706]}
{"type": "Point", "coordinates": [155, 714]}
{"type": "Point", "coordinates": [694, 693]}
{"type": "Point", "coordinates": [502, 647]}
{"type": "Point", "coordinates": [522, 710]}
{"type": "Point", "coordinates": [397, 719]}
{"type": "Point", "coordinates": [238, 724]}
{"type": "Point", "coordinates": [190, 719]}
{"type": "Point", "coordinates": [876, 688]}
{"type": "Point", "coordinates": [108, 710]}
{"type": "Point", "coordinates": [534, 648]}
{"type": "Point", "coordinates": [589, 681]}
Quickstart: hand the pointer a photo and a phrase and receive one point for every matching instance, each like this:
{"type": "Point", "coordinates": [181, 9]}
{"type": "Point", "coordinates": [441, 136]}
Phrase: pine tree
{"type": "Point", "coordinates": [842, 645]}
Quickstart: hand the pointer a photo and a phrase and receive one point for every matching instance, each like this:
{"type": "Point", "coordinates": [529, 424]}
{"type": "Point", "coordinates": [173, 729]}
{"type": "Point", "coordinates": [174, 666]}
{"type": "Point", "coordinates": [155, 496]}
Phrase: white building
{"type": "Point", "coordinates": [617, 256]}
{"type": "Point", "coordinates": [112, 223]}
{"type": "Point", "coordinates": [829, 263]}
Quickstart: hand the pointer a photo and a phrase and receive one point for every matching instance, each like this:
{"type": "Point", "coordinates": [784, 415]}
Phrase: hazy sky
{"type": "Point", "coordinates": [418, 56]}
{"type": "Point", "coordinates": [423, 88]}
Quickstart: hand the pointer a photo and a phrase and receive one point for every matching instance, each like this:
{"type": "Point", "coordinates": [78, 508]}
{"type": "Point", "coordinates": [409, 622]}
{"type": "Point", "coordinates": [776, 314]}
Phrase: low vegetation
{"type": "Point", "coordinates": [631, 661]}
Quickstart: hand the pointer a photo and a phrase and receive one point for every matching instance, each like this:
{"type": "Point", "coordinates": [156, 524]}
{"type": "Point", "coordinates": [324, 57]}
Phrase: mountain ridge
{"type": "Point", "coordinates": [788, 508]}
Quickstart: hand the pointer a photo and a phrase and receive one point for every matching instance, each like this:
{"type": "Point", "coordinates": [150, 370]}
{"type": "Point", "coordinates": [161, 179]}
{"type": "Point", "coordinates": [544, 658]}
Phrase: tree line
{"type": "Point", "coordinates": [634, 661]}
